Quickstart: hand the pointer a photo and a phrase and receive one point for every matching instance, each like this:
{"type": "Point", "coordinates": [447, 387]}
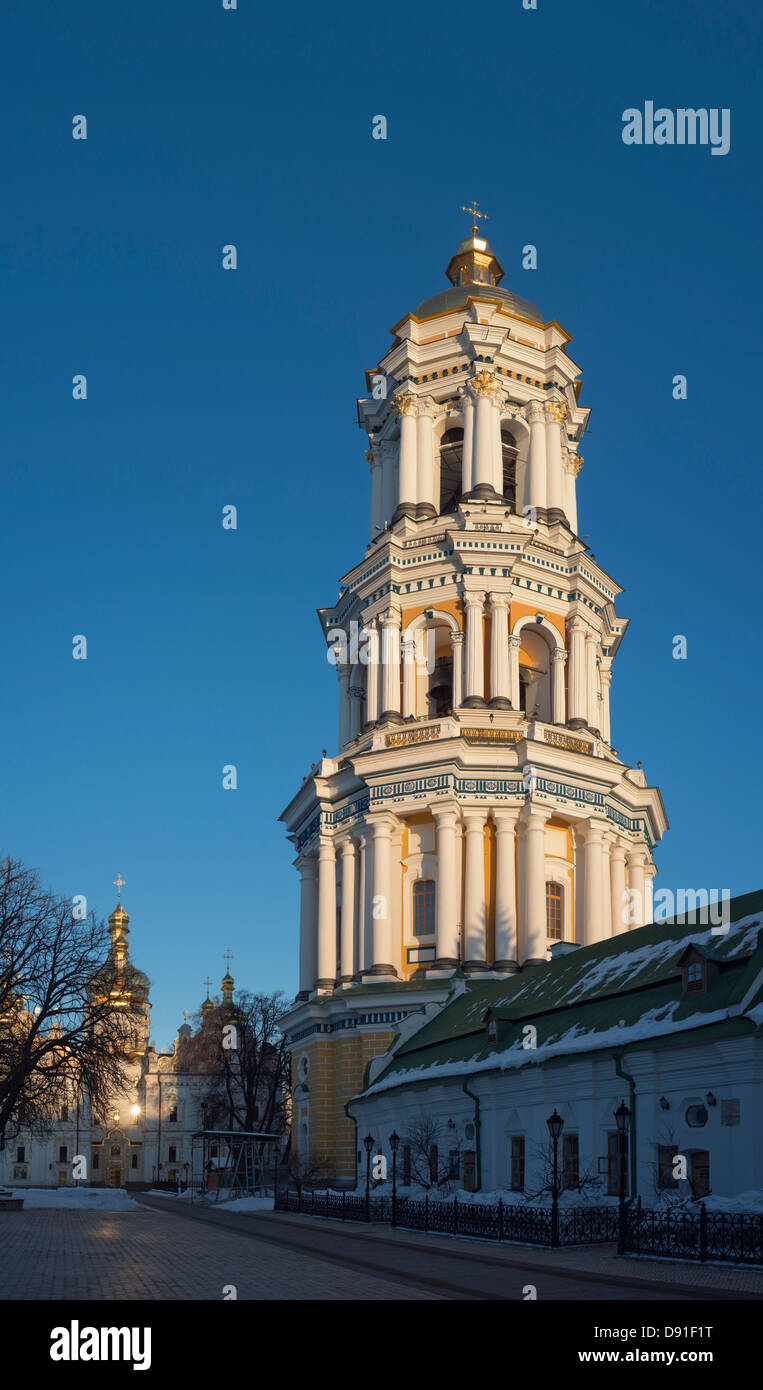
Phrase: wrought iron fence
{"type": "Point", "coordinates": [702, 1235]}
{"type": "Point", "coordinates": [530, 1225]}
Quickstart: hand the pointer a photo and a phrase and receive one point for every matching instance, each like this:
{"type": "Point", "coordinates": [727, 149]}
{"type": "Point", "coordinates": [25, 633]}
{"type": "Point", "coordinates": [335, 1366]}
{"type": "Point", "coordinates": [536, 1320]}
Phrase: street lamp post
{"type": "Point", "coordinates": [369, 1143]}
{"type": "Point", "coordinates": [623, 1120]}
{"type": "Point", "coordinates": [394, 1140]}
{"type": "Point", "coordinates": [555, 1126]}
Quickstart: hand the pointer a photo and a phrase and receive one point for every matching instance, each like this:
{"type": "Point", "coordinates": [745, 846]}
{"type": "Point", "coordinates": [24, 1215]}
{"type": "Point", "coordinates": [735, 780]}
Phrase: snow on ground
{"type": "Point", "coordinates": [750, 1202]}
{"type": "Point", "coordinates": [77, 1198]}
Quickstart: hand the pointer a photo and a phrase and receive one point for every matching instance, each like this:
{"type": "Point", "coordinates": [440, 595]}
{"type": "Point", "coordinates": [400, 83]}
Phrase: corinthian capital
{"type": "Point", "coordinates": [484, 383]}
{"type": "Point", "coordinates": [402, 403]}
{"type": "Point", "coordinates": [535, 411]}
{"type": "Point", "coordinates": [557, 411]}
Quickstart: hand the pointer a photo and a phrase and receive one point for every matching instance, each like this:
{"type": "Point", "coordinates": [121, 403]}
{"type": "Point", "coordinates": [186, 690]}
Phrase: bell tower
{"type": "Point", "coordinates": [474, 812]}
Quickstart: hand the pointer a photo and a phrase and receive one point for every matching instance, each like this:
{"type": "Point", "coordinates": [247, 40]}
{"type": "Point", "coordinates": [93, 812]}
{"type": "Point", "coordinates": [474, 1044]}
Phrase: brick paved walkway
{"type": "Point", "coordinates": [54, 1254]}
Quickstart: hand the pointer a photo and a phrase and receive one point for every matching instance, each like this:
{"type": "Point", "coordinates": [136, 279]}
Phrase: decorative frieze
{"type": "Point", "coordinates": [492, 735]}
{"type": "Point", "coordinates": [574, 745]}
{"type": "Point", "coordinates": [413, 736]}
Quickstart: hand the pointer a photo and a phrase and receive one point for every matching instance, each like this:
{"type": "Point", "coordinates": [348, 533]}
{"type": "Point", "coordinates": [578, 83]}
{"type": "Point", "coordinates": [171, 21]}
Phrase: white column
{"type": "Point", "coordinates": [364, 895]}
{"type": "Point", "coordinates": [407, 482]}
{"type": "Point", "coordinates": [650, 872]}
{"type": "Point", "coordinates": [308, 924]}
{"type": "Point", "coordinates": [570, 499]}
{"type": "Point", "coordinates": [534, 878]}
{"type": "Point", "coordinates": [475, 660]}
{"type": "Point", "coordinates": [536, 484]}
{"type": "Point", "coordinates": [592, 679]}
{"type": "Point", "coordinates": [559, 657]}
{"type": "Point", "coordinates": [390, 656]}
{"type": "Point", "coordinates": [576, 631]}
{"type": "Point", "coordinates": [457, 643]}
{"type": "Point", "coordinates": [343, 674]}
{"type": "Point", "coordinates": [514, 645]}
{"type": "Point", "coordinates": [497, 450]}
{"type": "Point", "coordinates": [355, 693]}
{"type": "Point", "coordinates": [372, 672]}
{"type": "Point", "coordinates": [347, 951]}
{"type": "Point", "coordinates": [636, 857]}
{"type": "Point", "coordinates": [499, 651]}
{"type": "Point", "coordinates": [425, 460]}
{"type": "Point", "coordinates": [554, 479]}
{"type": "Point", "coordinates": [326, 915]}
{"type": "Point", "coordinates": [506, 953]}
{"type": "Point", "coordinates": [409, 676]}
{"type": "Point", "coordinates": [593, 883]}
{"type": "Point", "coordinates": [467, 459]}
{"type": "Point", "coordinates": [390, 486]}
{"type": "Point", "coordinates": [377, 501]}
{"type": "Point", "coordinates": [381, 946]}
{"type": "Point", "coordinates": [447, 900]}
{"type": "Point", "coordinates": [605, 680]}
{"type": "Point", "coordinates": [484, 447]}
{"type": "Point", "coordinates": [475, 926]}
{"type": "Point", "coordinates": [607, 927]}
{"type": "Point", "coordinates": [617, 886]}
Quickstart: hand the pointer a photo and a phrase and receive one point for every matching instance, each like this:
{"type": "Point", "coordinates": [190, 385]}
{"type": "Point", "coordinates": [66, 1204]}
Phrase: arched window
{"type": "Point", "coordinates": [534, 675]}
{"type": "Point", "coordinates": [424, 907]}
{"type": "Point", "coordinates": [509, 460]}
{"type": "Point", "coordinates": [451, 458]}
{"type": "Point", "coordinates": [555, 911]}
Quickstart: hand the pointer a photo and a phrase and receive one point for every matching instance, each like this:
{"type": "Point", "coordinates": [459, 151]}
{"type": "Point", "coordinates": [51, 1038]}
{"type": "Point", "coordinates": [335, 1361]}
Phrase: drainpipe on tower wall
{"type": "Point", "coordinates": [352, 1117]}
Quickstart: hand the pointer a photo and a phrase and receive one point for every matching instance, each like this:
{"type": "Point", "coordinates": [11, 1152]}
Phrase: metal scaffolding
{"type": "Point", "coordinates": [236, 1162]}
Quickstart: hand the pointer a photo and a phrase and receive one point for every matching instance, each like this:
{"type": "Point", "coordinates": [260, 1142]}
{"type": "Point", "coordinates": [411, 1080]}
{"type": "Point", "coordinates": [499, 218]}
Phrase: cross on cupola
{"type": "Point", "coordinates": [474, 261]}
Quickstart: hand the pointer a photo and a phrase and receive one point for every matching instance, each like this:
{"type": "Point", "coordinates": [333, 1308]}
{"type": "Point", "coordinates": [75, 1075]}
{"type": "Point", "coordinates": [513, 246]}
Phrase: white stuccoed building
{"type": "Point", "coordinates": [668, 1020]}
{"type": "Point", "coordinates": [474, 810]}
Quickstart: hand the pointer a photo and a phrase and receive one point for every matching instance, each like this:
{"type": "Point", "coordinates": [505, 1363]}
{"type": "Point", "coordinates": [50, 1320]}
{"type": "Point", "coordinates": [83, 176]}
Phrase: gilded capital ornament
{"type": "Point", "coordinates": [578, 462]}
{"type": "Point", "coordinates": [557, 410]}
{"type": "Point", "coordinates": [402, 404]}
{"type": "Point", "coordinates": [484, 383]}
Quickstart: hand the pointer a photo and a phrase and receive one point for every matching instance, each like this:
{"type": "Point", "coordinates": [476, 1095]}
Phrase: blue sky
{"type": "Point", "coordinates": [205, 388]}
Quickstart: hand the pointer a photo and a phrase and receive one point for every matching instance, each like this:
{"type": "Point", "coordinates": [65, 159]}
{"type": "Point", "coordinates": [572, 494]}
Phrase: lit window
{"type": "Point", "coordinates": [173, 1114]}
{"type": "Point", "coordinates": [554, 911]}
{"type": "Point", "coordinates": [423, 907]}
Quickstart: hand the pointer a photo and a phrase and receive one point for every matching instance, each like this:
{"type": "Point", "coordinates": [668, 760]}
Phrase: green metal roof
{"type": "Point", "coordinates": [625, 991]}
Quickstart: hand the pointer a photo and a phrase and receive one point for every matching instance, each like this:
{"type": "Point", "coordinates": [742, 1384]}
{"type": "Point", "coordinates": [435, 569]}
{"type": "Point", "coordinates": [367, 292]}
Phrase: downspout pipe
{"type": "Point", "coordinates": [477, 1129]}
{"type": "Point", "coordinates": [352, 1117]}
{"type": "Point", "coordinates": [633, 1183]}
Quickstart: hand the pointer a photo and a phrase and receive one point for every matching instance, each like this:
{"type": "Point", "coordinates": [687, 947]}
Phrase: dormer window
{"type": "Point", "coordinates": [695, 977]}
{"type": "Point", "coordinates": [492, 1030]}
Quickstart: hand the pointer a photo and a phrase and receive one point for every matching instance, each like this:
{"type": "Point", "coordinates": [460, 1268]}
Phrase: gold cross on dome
{"type": "Point", "coordinates": [119, 884]}
{"type": "Point", "coordinates": [228, 957]}
{"type": "Point", "coordinates": [475, 213]}
{"type": "Point", "coordinates": [208, 984]}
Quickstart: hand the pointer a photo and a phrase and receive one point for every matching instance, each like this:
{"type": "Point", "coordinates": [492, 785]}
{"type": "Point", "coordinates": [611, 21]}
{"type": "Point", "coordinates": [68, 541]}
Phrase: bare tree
{"type": "Point", "coordinates": [242, 1046]}
{"type": "Point", "coordinates": [431, 1164]}
{"type": "Point", "coordinates": [67, 1021]}
{"type": "Point", "coordinates": [568, 1180]}
{"type": "Point", "coordinates": [306, 1168]}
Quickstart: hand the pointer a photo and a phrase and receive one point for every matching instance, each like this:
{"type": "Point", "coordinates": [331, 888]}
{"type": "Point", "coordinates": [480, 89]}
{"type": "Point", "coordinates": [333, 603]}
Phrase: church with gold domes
{"type": "Point", "coordinates": [144, 1138]}
{"type": "Point", "coordinates": [474, 812]}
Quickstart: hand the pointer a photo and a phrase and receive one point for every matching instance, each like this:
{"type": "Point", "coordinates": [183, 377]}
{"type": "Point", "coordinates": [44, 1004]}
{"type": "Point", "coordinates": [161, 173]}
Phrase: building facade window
{"type": "Point", "coordinates": [554, 911]}
{"type": "Point", "coordinates": [173, 1115]}
{"type": "Point", "coordinates": [696, 1116]}
{"type": "Point", "coordinates": [570, 1160]}
{"type": "Point", "coordinates": [96, 1161]}
{"type": "Point", "coordinates": [406, 1165]}
{"type": "Point", "coordinates": [424, 907]}
{"type": "Point", "coordinates": [20, 1154]}
{"type": "Point", "coordinates": [699, 1172]}
{"type": "Point", "coordinates": [509, 459]}
{"type": "Point", "coordinates": [517, 1163]}
{"type": "Point", "coordinates": [64, 1113]}
{"type": "Point", "coordinates": [451, 457]}
{"type": "Point", "coordinates": [133, 1160]}
{"type": "Point", "coordinates": [434, 1162]}
{"type": "Point", "coordinates": [172, 1157]}
{"type": "Point", "coordinates": [63, 1153]}
{"type": "Point", "coordinates": [617, 1155]}
{"type": "Point", "coordinates": [665, 1155]}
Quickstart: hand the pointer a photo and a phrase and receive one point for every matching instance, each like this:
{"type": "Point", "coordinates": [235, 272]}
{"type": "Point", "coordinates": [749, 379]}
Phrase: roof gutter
{"type": "Point", "coordinates": [477, 1129]}
{"type": "Point", "coordinates": [633, 1183]}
